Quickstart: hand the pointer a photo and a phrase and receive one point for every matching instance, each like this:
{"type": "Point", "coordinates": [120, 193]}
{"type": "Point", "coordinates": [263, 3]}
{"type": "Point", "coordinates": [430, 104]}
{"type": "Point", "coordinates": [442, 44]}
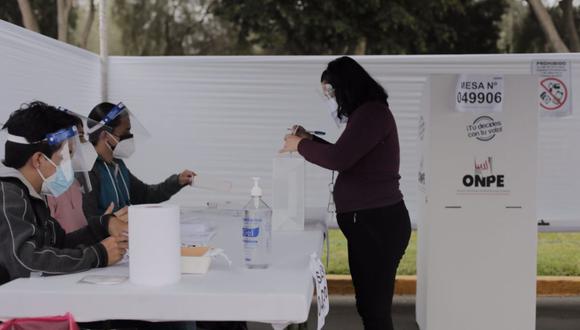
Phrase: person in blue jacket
{"type": "Point", "coordinates": [110, 131]}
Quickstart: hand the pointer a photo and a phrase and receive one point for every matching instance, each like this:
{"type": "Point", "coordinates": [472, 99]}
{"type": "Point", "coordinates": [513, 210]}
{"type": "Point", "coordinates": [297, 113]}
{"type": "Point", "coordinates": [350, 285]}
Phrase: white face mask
{"type": "Point", "coordinates": [86, 162]}
{"type": "Point", "coordinates": [328, 91]}
{"type": "Point", "coordinates": [333, 110]}
{"type": "Point", "coordinates": [124, 148]}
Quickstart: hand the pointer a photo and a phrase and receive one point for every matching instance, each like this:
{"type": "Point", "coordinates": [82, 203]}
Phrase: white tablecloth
{"type": "Point", "coordinates": [280, 294]}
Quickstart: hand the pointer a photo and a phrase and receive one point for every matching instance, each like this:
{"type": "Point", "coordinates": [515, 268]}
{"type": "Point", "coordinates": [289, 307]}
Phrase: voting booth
{"type": "Point", "coordinates": [477, 176]}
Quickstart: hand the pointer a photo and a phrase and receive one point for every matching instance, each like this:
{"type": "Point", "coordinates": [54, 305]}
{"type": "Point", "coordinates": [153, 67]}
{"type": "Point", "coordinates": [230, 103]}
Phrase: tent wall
{"type": "Point", "coordinates": [226, 116]}
{"type": "Point", "coordinates": [35, 67]}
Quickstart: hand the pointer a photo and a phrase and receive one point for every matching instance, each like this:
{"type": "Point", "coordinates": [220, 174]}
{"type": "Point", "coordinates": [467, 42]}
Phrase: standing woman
{"type": "Point", "coordinates": [370, 208]}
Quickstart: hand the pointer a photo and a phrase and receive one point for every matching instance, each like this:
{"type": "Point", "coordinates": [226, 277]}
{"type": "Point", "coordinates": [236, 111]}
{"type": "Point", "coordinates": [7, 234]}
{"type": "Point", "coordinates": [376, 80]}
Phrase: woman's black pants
{"type": "Point", "coordinates": [377, 239]}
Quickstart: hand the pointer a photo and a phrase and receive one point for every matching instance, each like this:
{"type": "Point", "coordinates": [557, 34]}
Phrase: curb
{"type": "Point", "coordinates": [406, 285]}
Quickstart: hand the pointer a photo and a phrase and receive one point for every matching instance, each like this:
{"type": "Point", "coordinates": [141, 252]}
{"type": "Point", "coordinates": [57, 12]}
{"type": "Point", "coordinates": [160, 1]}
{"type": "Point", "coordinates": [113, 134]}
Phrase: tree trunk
{"type": "Point", "coordinates": [28, 18]}
{"type": "Point", "coordinates": [361, 47]}
{"type": "Point", "coordinates": [88, 25]}
{"type": "Point", "coordinates": [548, 26]}
{"type": "Point", "coordinates": [570, 25]}
{"type": "Point", "coordinates": [63, 9]}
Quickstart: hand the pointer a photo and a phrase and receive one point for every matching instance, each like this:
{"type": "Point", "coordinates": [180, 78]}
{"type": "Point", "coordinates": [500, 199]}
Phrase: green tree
{"type": "Point", "coordinates": [530, 37]}
{"type": "Point", "coordinates": [365, 27]}
{"type": "Point", "coordinates": [42, 14]}
{"type": "Point", "coordinates": [175, 27]}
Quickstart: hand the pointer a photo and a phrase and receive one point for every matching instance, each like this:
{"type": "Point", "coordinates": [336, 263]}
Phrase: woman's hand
{"type": "Point", "coordinates": [290, 143]}
{"type": "Point", "coordinates": [186, 177]}
{"type": "Point", "coordinates": [118, 223]}
{"type": "Point", "coordinates": [116, 247]}
{"type": "Point", "coordinates": [301, 132]}
{"type": "Point", "coordinates": [117, 227]}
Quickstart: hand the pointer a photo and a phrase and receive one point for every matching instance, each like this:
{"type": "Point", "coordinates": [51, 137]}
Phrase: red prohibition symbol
{"type": "Point", "coordinates": [554, 94]}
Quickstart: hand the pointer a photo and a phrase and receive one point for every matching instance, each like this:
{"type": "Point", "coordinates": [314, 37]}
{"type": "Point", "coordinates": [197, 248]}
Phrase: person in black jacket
{"type": "Point", "coordinates": [32, 241]}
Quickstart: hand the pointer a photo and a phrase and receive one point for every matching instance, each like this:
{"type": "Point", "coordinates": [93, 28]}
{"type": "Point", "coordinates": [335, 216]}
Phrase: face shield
{"type": "Point", "coordinates": [83, 165]}
{"type": "Point", "coordinates": [69, 152]}
{"type": "Point", "coordinates": [86, 161]}
{"type": "Point", "coordinates": [330, 98]}
{"type": "Point", "coordinates": [127, 131]}
{"type": "Point", "coordinates": [85, 125]}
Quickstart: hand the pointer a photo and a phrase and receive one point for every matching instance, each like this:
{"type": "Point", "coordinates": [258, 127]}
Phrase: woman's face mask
{"type": "Point", "coordinates": [329, 94]}
{"type": "Point", "coordinates": [59, 182]}
{"type": "Point", "coordinates": [124, 147]}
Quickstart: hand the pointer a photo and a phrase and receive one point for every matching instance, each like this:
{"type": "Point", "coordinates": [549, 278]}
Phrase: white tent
{"type": "Point", "coordinates": [226, 116]}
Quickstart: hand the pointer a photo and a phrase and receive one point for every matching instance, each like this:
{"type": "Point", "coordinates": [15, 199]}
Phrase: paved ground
{"type": "Point", "coordinates": [553, 313]}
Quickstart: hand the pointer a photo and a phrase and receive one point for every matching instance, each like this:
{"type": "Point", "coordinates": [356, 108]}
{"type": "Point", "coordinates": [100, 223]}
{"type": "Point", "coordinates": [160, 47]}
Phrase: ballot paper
{"type": "Point", "coordinates": [103, 279]}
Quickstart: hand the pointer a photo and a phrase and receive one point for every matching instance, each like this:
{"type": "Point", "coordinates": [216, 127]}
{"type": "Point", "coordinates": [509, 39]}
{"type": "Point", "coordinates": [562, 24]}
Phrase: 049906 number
{"type": "Point", "coordinates": [479, 97]}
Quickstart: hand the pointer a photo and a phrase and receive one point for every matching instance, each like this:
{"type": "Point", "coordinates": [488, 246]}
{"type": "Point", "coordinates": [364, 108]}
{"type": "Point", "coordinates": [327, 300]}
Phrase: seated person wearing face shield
{"type": "Point", "coordinates": [111, 129]}
{"type": "Point", "coordinates": [67, 208]}
{"type": "Point", "coordinates": [39, 148]}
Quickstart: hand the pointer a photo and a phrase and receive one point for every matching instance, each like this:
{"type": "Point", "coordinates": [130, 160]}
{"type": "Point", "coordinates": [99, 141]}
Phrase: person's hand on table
{"type": "Point", "coordinates": [186, 177]}
{"type": "Point", "coordinates": [116, 247]}
{"type": "Point", "coordinates": [122, 214]}
{"type": "Point", "coordinates": [118, 223]}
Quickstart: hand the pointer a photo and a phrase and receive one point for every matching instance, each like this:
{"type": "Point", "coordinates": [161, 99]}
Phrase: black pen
{"type": "Point", "coordinates": [310, 132]}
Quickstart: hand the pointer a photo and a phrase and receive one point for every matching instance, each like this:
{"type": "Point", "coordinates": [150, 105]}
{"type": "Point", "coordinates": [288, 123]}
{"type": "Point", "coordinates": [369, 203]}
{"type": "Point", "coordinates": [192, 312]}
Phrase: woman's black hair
{"type": "Point", "coordinates": [33, 122]}
{"type": "Point", "coordinates": [76, 121]}
{"type": "Point", "coordinates": [353, 86]}
{"type": "Point", "coordinates": [99, 112]}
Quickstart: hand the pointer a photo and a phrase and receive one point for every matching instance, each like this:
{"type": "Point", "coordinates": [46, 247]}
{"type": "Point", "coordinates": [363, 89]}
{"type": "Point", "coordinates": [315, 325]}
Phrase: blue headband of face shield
{"type": "Point", "coordinates": [53, 139]}
{"type": "Point", "coordinates": [58, 137]}
{"type": "Point", "coordinates": [120, 107]}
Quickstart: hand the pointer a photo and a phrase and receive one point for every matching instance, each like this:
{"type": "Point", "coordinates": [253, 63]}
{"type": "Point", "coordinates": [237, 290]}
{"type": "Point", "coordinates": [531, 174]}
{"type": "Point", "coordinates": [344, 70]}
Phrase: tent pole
{"type": "Point", "coordinates": [104, 50]}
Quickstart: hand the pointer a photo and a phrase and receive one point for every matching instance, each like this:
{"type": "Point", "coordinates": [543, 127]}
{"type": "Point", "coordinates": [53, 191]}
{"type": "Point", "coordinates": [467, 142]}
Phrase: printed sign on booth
{"type": "Point", "coordinates": [479, 93]}
{"type": "Point", "coordinates": [484, 128]}
{"type": "Point", "coordinates": [554, 87]}
{"type": "Point", "coordinates": [484, 178]}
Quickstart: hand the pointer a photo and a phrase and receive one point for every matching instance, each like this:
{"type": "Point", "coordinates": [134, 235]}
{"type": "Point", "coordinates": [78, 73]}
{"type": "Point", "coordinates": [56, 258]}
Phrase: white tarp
{"type": "Point", "coordinates": [35, 67]}
{"type": "Point", "coordinates": [226, 116]}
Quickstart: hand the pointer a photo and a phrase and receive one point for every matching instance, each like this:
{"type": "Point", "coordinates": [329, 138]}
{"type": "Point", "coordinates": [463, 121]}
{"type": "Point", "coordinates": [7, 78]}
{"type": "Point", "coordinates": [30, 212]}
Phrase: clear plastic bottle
{"type": "Point", "coordinates": [257, 230]}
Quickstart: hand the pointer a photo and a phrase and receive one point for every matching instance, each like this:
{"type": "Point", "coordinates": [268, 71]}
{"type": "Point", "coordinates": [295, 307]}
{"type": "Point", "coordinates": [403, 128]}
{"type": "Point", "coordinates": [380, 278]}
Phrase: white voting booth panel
{"type": "Point", "coordinates": [477, 244]}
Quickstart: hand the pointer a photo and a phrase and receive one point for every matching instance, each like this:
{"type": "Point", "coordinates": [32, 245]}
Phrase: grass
{"type": "Point", "coordinates": [558, 254]}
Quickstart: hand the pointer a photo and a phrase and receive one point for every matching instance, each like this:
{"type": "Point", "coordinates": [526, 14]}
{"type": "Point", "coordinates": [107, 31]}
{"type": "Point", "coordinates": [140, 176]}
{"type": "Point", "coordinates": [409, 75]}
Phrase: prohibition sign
{"type": "Point", "coordinates": [555, 92]}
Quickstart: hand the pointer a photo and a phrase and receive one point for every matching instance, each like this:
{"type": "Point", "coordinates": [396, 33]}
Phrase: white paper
{"type": "Point", "coordinates": [154, 242]}
{"type": "Point", "coordinates": [103, 279]}
{"type": "Point", "coordinates": [479, 93]}
{"type": "Point", "coordinates": [319, 275]}
{"type": "Point", "coordinates": [554, 87]}
{"type": "Point", "coordinates": [210, 183]}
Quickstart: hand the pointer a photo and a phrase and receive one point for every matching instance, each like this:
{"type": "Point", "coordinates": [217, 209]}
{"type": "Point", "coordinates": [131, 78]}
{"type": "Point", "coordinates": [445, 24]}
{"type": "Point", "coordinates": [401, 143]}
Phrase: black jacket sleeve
{"type": "Point", "coordinates": [31, 247]}
{"type": "Point", "coordinates": [98, 223]}
{"type": "Point", "coordinates": [142, 193]}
